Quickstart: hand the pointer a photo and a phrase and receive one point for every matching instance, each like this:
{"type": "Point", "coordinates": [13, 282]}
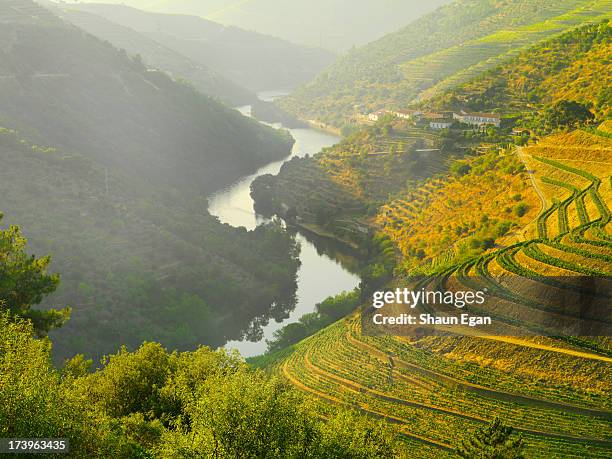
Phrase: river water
{"type": "Point", "coordinates": [327, 268]}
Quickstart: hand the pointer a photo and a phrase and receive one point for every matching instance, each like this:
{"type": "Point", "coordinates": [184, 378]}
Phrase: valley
{"type": "Point", "coordinates": [216, 242]}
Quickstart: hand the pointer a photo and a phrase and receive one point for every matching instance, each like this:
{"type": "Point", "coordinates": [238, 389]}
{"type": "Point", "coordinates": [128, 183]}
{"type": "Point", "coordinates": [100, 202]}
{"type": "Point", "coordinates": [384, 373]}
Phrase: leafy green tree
{"type": "Point", "coordinates": [24, 282]}
{"type": "Point", "coordinates": [130, 381]}
{"type": "Point", "coordinates": [492, 442]}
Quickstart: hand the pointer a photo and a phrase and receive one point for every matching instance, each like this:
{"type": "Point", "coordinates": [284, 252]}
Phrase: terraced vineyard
{"type": "Point", "coordinates": [487, 52]}
{"type": "Point", "coordinates": [456, 214]}
{"type": "Point", "coordinates": [553, 390]}
{"type": "Point", "coordinates": [437, 395]}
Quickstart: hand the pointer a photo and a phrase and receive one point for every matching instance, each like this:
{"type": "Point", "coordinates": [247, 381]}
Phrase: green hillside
{"type": "Point", "coordinates": [60, 86]}
{"type": "Point", "coordinates": [444, 48]}
{"type": "Point", "coordinates": [110, 163]}
{"type": "Point", "coordinates": [553, 390]}
{"type": "Point", "coordinates": [252, 60]}
{"type": "Point", "coordinates": [154, 55]}
{"type": "Point", "coordinates": [137, 264]}
{"type": "Point", "coordinates": [574, 66]}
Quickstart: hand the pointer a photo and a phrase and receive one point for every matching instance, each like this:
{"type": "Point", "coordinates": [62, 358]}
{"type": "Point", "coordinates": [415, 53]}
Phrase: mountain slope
{"type": "Point", "coordinates": [444, 48]}
{"type": "Point", "coordinates": [158, 56]}
{"type": "Point", "coordinates": [336, 25]}
{"type": "Point", "coordinates": [136, 265]}
{"type": "Point", "coordinates": [573, 67]}
{"type": "Point", "coordinates": [66, 88]}
{"type": "Point", "coordinates": [108, 164]}
{"type": "Point", "coordinates": [251, 60]}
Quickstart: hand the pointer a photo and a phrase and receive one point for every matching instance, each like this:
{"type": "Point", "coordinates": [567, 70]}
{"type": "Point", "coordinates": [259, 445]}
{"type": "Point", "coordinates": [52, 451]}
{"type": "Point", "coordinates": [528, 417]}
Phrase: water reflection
{"type": "Point", "coordinates": [327, 268]}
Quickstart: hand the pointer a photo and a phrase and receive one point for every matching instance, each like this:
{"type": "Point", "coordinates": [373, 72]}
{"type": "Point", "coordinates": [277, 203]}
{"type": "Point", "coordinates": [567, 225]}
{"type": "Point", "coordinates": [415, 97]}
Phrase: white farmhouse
{"type": "Point", "coordinates": [406, 114]}
{"type": "Point", "coordinates": [477, 119]}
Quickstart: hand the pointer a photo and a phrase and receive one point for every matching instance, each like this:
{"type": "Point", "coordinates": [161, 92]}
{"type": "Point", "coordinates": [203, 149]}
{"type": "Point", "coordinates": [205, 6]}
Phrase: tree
{"type": "Point", "coordinates": [24, 282]}
{"type": "Point", "coordinates": [492, 442]}
{"type": "Point", "coordinates": [35, 402]}
{"type": "Point", "coordinates": [566, 113]}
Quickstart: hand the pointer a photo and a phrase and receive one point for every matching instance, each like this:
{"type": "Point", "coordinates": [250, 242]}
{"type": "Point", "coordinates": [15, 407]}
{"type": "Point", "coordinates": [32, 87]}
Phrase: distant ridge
{"type": "Point", "coordinates": [252, 60]}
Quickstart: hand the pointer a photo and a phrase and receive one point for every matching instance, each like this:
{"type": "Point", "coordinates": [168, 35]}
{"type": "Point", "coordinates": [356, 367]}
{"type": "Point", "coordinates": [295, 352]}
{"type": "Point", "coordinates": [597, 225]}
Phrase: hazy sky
{"type": "Point", "coordinates": [333, 24]}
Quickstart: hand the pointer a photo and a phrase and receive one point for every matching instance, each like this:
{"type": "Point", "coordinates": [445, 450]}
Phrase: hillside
{"type": "Point", "coordinates": [63, 87]}
{"type": "Point", "coordinates": [338, 189]}
{"type": "Point", "coordinates": [522, 216]}
{"type": "Point", "coordinates": [397, 169]}
{"type": "Point", "coordinates": [136, 264]}
{"type": "Point", "coordinates": [444, 48]}
{"type": "Point", "coordinates": [109, 165]}
{"type": "Point", "coordinates": [572, 67]}
{"type": "Point", "coordinates": [155, 55]}
{"type": "Point", "coordinates": [252, 60]}
{"type": "Point", "coordinates": [560, 400]}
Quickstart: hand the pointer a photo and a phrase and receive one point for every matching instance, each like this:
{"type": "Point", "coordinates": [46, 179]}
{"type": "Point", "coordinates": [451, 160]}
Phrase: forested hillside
{"type": "Point", "coordinates": [155, 55]}
{"type": "Point", "coordinates": [252, 60]}
{"type": "Point", "coordinates": [440, 50]}
{"type": "Point", "coordinates": [63, 87]}
{"type": "Point", "coordinates": [109, 164]}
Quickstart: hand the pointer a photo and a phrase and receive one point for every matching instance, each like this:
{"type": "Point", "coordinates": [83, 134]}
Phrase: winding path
{"type": "Point", "coordinates": [521, 154]}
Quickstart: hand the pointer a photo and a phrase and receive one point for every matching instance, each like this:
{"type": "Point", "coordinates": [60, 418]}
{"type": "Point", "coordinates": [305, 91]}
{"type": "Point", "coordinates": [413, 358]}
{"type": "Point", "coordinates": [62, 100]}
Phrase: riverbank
{"type": "Point", "coordinates": [324, 127]}
{"type": "Point", "coordinates": [322, 232]}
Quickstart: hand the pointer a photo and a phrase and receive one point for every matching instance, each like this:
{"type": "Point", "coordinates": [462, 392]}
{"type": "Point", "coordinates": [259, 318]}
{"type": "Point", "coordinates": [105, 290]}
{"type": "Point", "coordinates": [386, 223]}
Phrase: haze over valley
{"type": "Point", "coordinates": [210, 211]}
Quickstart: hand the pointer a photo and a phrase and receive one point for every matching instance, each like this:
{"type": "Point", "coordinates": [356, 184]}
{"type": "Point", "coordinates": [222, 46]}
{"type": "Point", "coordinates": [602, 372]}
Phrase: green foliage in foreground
{"type": "Point", "coordinates": [151, 403]}
{"type": "Point", "coordinates": [24, 282]}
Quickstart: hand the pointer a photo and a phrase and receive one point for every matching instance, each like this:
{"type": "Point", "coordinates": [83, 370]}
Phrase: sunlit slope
{"type": "Point", "coordinates": [341, 187]}
{"type": "Point", "coordinates": [449, 46]}
{"type": "Point", "coordinates": [555, 391]}
{"type": "Point", "coordinates": [454, 216]}
{"type": "Point", "coordinates": [573, 66]}
{"type": "Point", "coordinates": [438, 390]}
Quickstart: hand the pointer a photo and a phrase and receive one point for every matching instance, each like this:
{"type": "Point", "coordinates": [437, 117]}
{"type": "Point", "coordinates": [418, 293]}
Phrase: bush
{"type": "Point", "coordinates": [520, 209]}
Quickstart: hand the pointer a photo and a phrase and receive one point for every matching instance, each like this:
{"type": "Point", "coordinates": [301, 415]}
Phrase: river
{"type": "Point", "coordinates": [327, 268]}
